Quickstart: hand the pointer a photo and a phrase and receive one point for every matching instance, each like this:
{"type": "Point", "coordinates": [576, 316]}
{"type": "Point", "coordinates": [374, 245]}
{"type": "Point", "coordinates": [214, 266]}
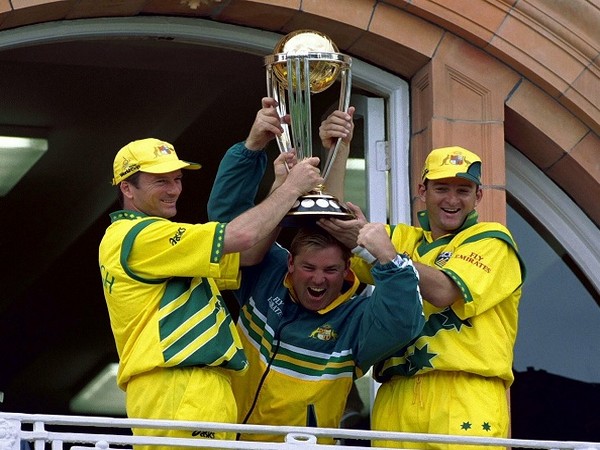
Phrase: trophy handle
{"type": "Point", "coordinates": [277, 92]}
{"type": "Point", "coordinates": [344, 103]}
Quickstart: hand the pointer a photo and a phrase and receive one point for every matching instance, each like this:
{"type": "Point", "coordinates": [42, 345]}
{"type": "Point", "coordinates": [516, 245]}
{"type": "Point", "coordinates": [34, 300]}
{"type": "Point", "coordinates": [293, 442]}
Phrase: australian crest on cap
{"type": "Point", "coordinates": [162, 149]}
{"type": "Point", "coordinates": [456, 159]}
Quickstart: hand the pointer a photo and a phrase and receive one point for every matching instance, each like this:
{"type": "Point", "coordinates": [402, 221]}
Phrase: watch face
{"type": "Point", "coordinates": [399, 261]}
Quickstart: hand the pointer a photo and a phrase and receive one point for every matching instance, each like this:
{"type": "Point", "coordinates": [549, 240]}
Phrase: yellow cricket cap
{"type": "Point", "coordinates": [147, 155]}
{"type": "Point", "coordinates": [449, 162]}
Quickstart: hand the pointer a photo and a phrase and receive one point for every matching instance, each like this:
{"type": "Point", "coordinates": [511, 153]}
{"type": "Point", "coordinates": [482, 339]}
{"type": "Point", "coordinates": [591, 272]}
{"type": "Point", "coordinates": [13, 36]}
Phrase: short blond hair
{"type": "Point", "coordinates": [316, 237]}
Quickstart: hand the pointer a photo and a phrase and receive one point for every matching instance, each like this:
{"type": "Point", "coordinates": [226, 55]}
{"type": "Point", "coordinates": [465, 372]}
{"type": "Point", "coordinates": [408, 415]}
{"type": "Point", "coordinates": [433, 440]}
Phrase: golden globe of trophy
{"type": "Point", "coordinates": [307, 62]}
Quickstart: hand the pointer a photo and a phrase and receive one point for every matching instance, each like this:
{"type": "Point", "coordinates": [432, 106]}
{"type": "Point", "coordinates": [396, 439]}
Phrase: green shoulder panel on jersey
{"type": "Point", "coordinates": [126, 250]}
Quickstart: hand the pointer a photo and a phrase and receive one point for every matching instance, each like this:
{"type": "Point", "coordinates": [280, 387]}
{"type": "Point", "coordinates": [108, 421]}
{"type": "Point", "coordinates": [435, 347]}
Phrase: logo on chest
{"type": "Point", "coordinates": [443, 258]}
{"type": "Point", "coordinates": [324, 333]}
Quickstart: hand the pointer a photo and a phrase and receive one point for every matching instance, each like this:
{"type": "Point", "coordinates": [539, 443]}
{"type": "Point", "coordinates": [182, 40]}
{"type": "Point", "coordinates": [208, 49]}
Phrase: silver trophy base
{"type": "Point", "coordinates": [314, 206]}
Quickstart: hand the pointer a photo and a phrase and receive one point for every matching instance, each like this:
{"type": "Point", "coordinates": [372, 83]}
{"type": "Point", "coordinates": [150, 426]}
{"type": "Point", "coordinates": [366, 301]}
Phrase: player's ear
{"type": "Point", "coordinates": [478, 195]}
{"type": "Point", "coordinates": [421, 188]}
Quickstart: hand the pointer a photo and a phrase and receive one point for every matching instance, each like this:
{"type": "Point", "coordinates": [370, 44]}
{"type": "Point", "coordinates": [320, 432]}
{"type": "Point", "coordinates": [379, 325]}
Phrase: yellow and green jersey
{"type": "Point", "coordinates": [161, 282]}
{"type": "Point", "coordinates": [475, 335]}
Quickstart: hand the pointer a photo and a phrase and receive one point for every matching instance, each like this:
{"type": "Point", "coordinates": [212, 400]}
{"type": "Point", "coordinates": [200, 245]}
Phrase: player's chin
{"type": "Point", "coordinates": [312, 304]}
{"type": "Point", "coordinates": [319, 303]}
{"type": "Point", "coordinates": [169, 212]}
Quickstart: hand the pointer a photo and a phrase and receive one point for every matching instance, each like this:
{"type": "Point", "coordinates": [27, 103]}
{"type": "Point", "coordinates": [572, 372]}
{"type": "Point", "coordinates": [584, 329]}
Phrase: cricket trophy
{"type": "Point", "coordinates": [307, 62]}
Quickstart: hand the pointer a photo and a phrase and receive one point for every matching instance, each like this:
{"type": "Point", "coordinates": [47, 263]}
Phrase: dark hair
{"type": "Point", "coordinates": [134, 179]}
{"type": "Point", "coordinates": [316, 237]}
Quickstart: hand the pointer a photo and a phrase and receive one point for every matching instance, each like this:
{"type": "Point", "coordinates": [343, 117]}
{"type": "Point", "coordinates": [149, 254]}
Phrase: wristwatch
{"type": "Point", "coordinates": [364, 254]}
{"type": "Point", "coordinates": [398, 261]}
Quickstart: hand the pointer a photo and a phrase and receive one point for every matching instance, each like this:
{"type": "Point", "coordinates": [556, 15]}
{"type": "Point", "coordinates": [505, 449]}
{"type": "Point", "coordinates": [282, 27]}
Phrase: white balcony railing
{"type": "Point", "coordinates": [73, 432]}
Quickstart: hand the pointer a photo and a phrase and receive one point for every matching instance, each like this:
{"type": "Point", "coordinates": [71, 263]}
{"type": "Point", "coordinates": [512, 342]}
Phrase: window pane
{"type": "Point", "coordinates": [558, 317]}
